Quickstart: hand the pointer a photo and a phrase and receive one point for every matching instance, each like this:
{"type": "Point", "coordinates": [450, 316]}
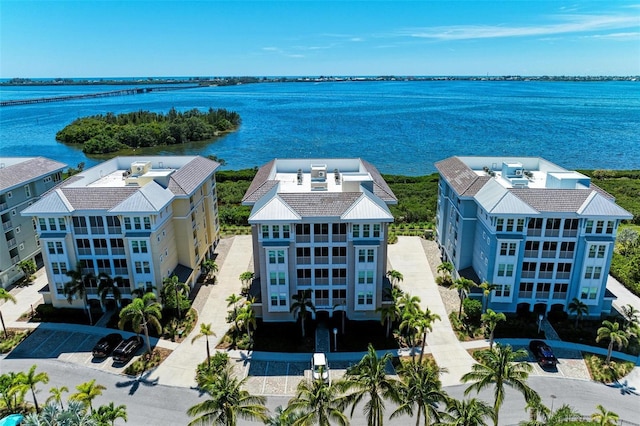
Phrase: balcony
{"type": "Point", "coordinates": [322, 281]}
{"type": "Point", "coordinates": [545, 274]}
{"type": "Point", "coordinates": [15, 259]}
{"type": "Point", "coordinates": [303, 238]}
{"type": "Point", "coordinates": [566, 255]}
{"type": "Point", "coordinates": [84, 252]}
{"type": "Point", "coordinates": [563, 275]}
{"type": "Point", "coordinates": [339, 281]}
{"type": "Point", "coordinates": [97, 230]}
{"type": "Point", "coordinates": [117, 251]}
{"type": "Point", "coordinates": [101, 251]}
{"type": "Point", "coordinates": [303, 260]}
{"type": "Point", "coordinates": [551, 232]}
{"type": "Point", "coordinates": [339, 301]}
{"type": "Point", "coordinates": [339, 238]}
{"type": "Point", "coordinates": [121, 271]}
{"type": "Point", "coordinates": [570, 233]}
{"type": "Point", "coordinates": [542, 294]}
{"type": "Point", "coordinates": [549, 253]}
{"type": "Point", "coordinates": [80, 230]}
{"type": "Point", "coordinates": [525, 294]}
{"type": "Point", "coordinates": [304, 281]}
{"type": "Point", "coordinates": [11, 243]}
{"type": "Point", "coordinates": [322, 302]}
{"type": "Point", "coordinates": [535, 232]}
{"type": "Point", "coordinates": [6, 225]}
{"type": "Point", "coordinates": [531, 253]}
{"type": "Point", "coordinates": [321, 238]}
{"type": "Point", "coordinates": [114, 230]}
{"type": "Point", "coordinates": [339, 260]}
{"type": "Point", "coordinates": [560, 296]}
{"type": "Point", "coordinates": [322, 260]}
{"type": "Point", "coordinates": [528, 274]}
{"type": "Point", "coordinates": [3, 206]}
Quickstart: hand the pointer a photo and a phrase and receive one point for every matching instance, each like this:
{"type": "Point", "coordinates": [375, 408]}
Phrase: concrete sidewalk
{"type": "Point", "coordinates": [26, 298]}
{"type": "Point", "coordinates": [179, 368]}
{"type": "Point", "coordinates": [623, 296]}
{"type": "Point", "coordinates": [408, 257]}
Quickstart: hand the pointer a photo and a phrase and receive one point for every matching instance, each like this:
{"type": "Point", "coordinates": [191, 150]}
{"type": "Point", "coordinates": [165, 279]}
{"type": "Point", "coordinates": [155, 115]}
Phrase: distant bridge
{"type": "Point", "coordinates": [122, 92]}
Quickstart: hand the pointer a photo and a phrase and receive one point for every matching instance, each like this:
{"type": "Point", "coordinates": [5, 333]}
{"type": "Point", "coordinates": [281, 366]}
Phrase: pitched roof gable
{"type": "Point", "coordinates": [26, 171]}
{"type": "Point", "coordinates": [274, 209]}
{"type": "Point", "coordinates": [320, 204]}
{"type": "Point", "coordinates": [186, 179]}
{"type": "Point", "coordinates": [260, 184]}
{"type": "Point", "coordinates": [459, 175]}
{"type": "Point", "coordinates": [598, 205]}
{"type": "Point", "coordinates": [366, 208]}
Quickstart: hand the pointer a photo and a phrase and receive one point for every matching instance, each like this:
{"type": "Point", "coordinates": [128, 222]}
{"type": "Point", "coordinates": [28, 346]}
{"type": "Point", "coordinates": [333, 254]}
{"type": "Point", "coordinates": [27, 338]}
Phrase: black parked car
{"type": "Point", "coordinates": [106, 345]}
{"type": "Point", "coordinates": [543, 353]}
{"type": "Point", "coordinates": [127, 349]}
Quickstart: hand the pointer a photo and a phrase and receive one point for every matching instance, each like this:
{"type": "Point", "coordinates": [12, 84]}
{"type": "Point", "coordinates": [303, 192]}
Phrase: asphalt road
{"type": "Point", "coordinates": [151, 404]}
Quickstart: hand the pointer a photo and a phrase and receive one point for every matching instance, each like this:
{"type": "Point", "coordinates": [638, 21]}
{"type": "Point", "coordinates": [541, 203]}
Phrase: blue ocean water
{"type": "Point", "coordinates": [401, 127]}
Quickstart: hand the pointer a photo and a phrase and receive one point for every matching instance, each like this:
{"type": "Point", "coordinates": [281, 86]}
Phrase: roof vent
{"type": "Point", "coordinates": [299, 176]}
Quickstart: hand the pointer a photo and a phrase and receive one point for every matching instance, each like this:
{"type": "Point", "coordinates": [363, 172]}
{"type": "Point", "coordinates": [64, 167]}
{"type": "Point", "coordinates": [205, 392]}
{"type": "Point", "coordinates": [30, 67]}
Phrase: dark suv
{"type": "Point", "coordinates": [106, 345]}
{"type": "Point", "coordinates": [543, 353]}
{"type": "Point", "coordinates": [127, 349]}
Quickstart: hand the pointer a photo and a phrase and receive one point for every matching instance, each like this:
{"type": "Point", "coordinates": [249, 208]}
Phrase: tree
{"type": "Point", "coordinates": [612, 332]}
{"type": "Point", "coordinates": [319, 403]}
{"type": "Point", "coordinates": [497, 368]}
{"type": "Point", "coordinates": [56, 395]}
{"type": "Point", "coordinates": [208, 266]}
{"type": "Point", "coordinates": [603, 417]}
{"type": "Point", "coordinates": [631, 315]}
{"type": "Point", "coordinates": [466, 412]}
{"type": "Point", "coordinates": [4, 297]}
{"type": "Point", "coordinates": [407, 303]}
{"type": "Point", "coordinates": [490, 319]}
{"type": "Point", "coordinates": [445, 268]}
{"type": "Point", "coordinates": [228, 402]}
{"type": "Point", "coordinates": [627, 238]}
{"type": "Point", "coordinates": [172, 286]}
{"type": "Point", "coordinates": [388, 315]}
{"type": "Point", "coordinates": [12, 392]}
{"type": "Point", "coordinates": [110, 413]}
{"type": "Point", "coordinates": [205, 331]}
{"type": "Point", "coordinates": [395, 277]}
{"type": "Point", "coordinates": [301, 306]}
{"type": "Point", "coordinates": [233, 302]}
{"type": "Point", "coordinates": [543, 416]}
{"type": "Point", "coordinates": [282, 417]}
{"type": "Point", "coordinates": [28, 268]}
{"type": "Point", "coordinates": [487, 288]}
{"type": "Point", "coordinates": [247, 317]}
{"type": "Point", "coordinates": [579, 308]}
{"type": "Point", "coordinates": [420, 392]}
{"type": "Point", "coordinates": [369, 380]}
{"type": "Point", "coordinates": [76, 287]}
{"type": "Point", "coordinates": [109, 286]}
{"type": "Point", "coordinates": [87, 392]}
{"type": "Point", "coordinates": [425, 324]}
{"type": "Point", "coordinates": [463, 285]}
{"type": "Point", "coordinates": [142, 313]}
{"type": "Point", "coordinates": [30, 380]}
{"type": "Point", "coordinates": [246, 278]}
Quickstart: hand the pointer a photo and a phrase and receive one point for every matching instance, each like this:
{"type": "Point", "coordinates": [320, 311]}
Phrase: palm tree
{"type": "Point", "coordinates": [301, 306]}
{"type": "Point", "coordinates": [247, 317]}
{"type": "Point", "coordinates": [603, 417]}
{"type": "Point", "coordinates": [408, 303]}
{"type": "Point", "coordinates": [579, 308]}
{"type": "Point", "coordinates": [487, 288]}
{"type": "Point", "coordinates": [28, 268]}
{"type": "Point", "coordinates": [561, 416]}
{"type": "Point", "coordinates": [142, 312]}
{"type": "Point", "coordinates": [466, 412]}
{"type": "Point", "coordinates": [631, 315]}
{"type": "Point", "coordinates": [246, 278]}
{"type": "Point", "coordinates": [395, 277]}
{"type": "Point", "coordinates": [490, 319]}
{"type": "Point", "coordinates": [75, 415]}
{"type": "Point", "coordinates": [463, 285]}
{"type": "Point", "coordinates": [208, 266]}
{"type": "Point", "coordinates": [233, 301]}
{"type": "Point", "coordinates": [420, 391]}
{"type": "Point", "coordinates": [87, 392]}
{"type": "Point", "coordinates": [4, 297]}
{"type": "Point", "coordinates": [205, 331]}
{"type": "Point", "coordinates": [499, 367]}
{"type": "Point", "coordinates": [368, 380]}
{"type": "Point", "coordinates": [282, 417]}
{"type": "Point", "coordinates": [108, 285]}
{"type": "Point", "coordinates": [76, 287]}
{"type": "Point", "coordinates": [425, 324]}
{"type": "Point", "coordinates": [445, 268]}
{"type": "Point", "coordinates": [319, 403]}
{"type": "Point", "coordinates": [172, 285]}
{"type": "Point", "coordinates": [228, 402]}
{"type": "Point", "coordinates": [388, 315]}
{"type": "Point", "coordinates": [110, 413]}
{"type": "Point", "coordinates": [30, 380]}
{"type": "Point", "coordinates": [56, 395]}
{"type": "Point", "coordinates": [614, 334]}
{"type": "Point", "coordinates": [411, 325]}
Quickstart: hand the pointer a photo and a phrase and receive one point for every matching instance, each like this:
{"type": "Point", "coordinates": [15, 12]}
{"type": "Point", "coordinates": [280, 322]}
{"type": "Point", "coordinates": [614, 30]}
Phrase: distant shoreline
{"type": "Point", "coordinates": [230, 81]}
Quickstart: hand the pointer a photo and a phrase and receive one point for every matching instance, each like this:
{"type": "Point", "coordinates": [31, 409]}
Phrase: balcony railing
{"type": "Point", "coordinates": [304, 281]}
{"type": "Point", "coordinates": [339, 281]}
{"type": "Point", "coordinates": [322, 281]}
{"type": "Point", "coordinates": [97, 230]}
{"type": "Point", "coordinates": [337, 301]}
{"type": "Point", "coordinates": [545, 274]}
{"type": "Point", "coordinates": [101, 251]}
{"type": "Point", "coordinates": [6, 225]}
{"type": "Point", "coordinates": [549, 253]}
{"type": "Point", "coordinates": [114, 230]}
{"type": "Point", "coordinates": [303, 238]}
{"type": "Point", "coordinates": [15, 259]}
{"type": "Point", "coordinates": [339, 238]}
{"type": "Point", "coordinates": [84, 251]}
{"type": "Point", "coordinates": [542, 294]}
{"type": "Point", "coordinates": [535, 232]}
{"type": "Point", "coordinates": [303, 260]}
{"type": "Point", "coordinates": [531, 253]}
{"type": "Point", "coordinates": [322, 302]}
{"type": "Point", "coordinates": [80, 230]}
{"type": "Point", "coordinates": [321, 238]}
{"type": "Point", "coordinates": [121, 271]}
{"type": "Point", "coordinates": [4, 206]}
{"type": "Point", "coordinates": [528, 274]}
{"type": "Point", "coordinates": [117, 250]}
{"type": "Point", "coordinates": [563, 275]}
{"type": "Point", "coordinates": [339, 259]}
{"type": "Point", "coordinates": [569, 232]}
{"type": "Point", "coordinates": [11, 243]}
{"type": "Point", "coordinates": [322, 260]}
{"type": "Point", "coordinates": [566, 255]}
{"type": "Point", "coordinates": [559, 296]}
{"type": "Point", "coordinates": [525, 294]}
{"type": "Point", "coordinates": [551, 232]}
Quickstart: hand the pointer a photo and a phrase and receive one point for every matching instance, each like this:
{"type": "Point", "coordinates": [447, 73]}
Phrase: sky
{"type": "Point", "coordinates": [74, 39]}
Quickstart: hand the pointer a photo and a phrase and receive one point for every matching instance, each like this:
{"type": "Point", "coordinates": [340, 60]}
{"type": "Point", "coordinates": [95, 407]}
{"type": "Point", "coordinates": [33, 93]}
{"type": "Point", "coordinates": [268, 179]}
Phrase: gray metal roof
{"type": "Point", "coordinates": [188, 177]}
{"type": "Point", "coordinates": [459, 175]}
{"type": "Point", "coordinates": [22, 172]}
{"type": "Point", "coordinates": [380, 186]}
{"type": "Point", "coordinates": [100, 198]}
{"type": "Point", "coordinates": [260, 184]}
{"type": "Point", "coordinates": [553, 200]}
{"type": "Point", "coordinates": [317, 204]}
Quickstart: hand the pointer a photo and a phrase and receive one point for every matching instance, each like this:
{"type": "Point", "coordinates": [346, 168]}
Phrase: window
{"type": "Point", "coordinates": [560, 288]}
{"type": "Point", "coordinates": [136, 223]}
{"type": "Point", "coordinates": [339, 228]}
{"type": "Point", "coordinates": [62, 224]}
{"type": "Point", "coordinates": [79, 225]}
{"type": "Point", "coordinates": [601, 250]}
{"type": "Point", "coordinates": [276, 256]}
{"type": "Point", "coordinates": [563, 269]}
{"type": "Point", "coordinates": [42, 223]}
{"type": "Point", "coordinates": [63, 268]}
{"type": "Point", "coordinates": [9, 194]}
{"type": "Point", "coordinates": [366, 230]}
{"type": "Point", "coordinates": [356, 231]}
{"type": "Point", "coordinates": [27, 191]}
{"type": "Point", "coordinates": [509, 225]}
{"type": "Point", "coordinates": [303, 251]}
{"type": "Point", "coordinates": [265, 231]}
{"type": "Point", "coordinates": [502, 290]}
{"type": "Point", "coordinates": [143, 247]}
{"type": "Point", "coordinates": [138, 266]}
{"type": "Point", "coordinates": [599, 226]}
{"type": "Point", "coordinates": [499, 224]}
{"type": "Point", "coordinates": [52, 224]}
{"type": "Point", "coordinates": [365, 277]}
{"type": "Point", "coordinates": [529, 269]}
{"type": "Point", "coordinates": [146, 267]}
{"type": "Point", "coordinates": [286, 231]}
{"type": "Point", "coordinates": [507, 249]}
{"type": "Point", "coordinates": [321, 252]}
{"type": "Point", "coordinates": [59, 249]}
{"type": "Point", "coordinates": [135, 248]}
{"type": "Point", "coordinates": [55, 268]}
{"type": "Point", "coordinates": [17, 229]}
{"type": "Point", "coordinates": [589, 227]}
{"type": "Point", "coordinates": [597, 272]}
{"type": "Point", "coordinates": [147, 222]}
{"type": "Point", "coordinates": [505, 270]}
{"type": "Point", "coordinates": [366, 255]}
{"type": "Point", "coordinates": [276, 231]}
{"type": "Point", "coordinates": [127, 223]}
{"type": "Point", "coordinates": [588, 293]}
{"type": "Point", "coordinates": [520, 225]}
{"type": "Point", "coordinates": [277, 278]}
{"type": "Point", "coordinates": [610, 225]}
{"type": "Point", "coordinates": [376, 230]}
{"type": "Point", "coordinates": [588, 274]}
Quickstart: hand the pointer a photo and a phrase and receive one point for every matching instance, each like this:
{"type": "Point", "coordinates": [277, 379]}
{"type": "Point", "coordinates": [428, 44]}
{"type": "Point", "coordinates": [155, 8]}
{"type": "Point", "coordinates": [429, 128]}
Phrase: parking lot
{"type": "Point", "coordinates": [68, 346]}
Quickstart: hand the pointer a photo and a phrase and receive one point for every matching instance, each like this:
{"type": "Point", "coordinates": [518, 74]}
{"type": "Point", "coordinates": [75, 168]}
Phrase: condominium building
{"type": "Point", "coordinates": [542, 234]}
{"type": "Point", "coordinates": [142, 219]}
{"type": "Point", "coordinates": [22, 181]}
{"type": "Point", "coordinates": [320, 225]}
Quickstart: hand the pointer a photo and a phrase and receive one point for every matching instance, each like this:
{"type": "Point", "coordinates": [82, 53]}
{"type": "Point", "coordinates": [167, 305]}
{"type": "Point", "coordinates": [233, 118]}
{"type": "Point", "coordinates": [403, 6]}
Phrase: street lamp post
{"type": "Point", "coordinates": [540, 317]}
{"type": "Point", "coordinates": [335, 340]}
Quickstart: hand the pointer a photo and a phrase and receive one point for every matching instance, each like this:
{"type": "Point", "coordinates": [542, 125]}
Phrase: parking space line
{"type": "Point", "coordinates": [264, 380]}
{"type": "Point", "coordinates": [60, 344]}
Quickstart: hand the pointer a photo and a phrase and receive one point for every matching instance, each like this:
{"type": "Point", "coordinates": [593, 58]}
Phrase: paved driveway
{"type": "Point", "coordinates": [74, 347]}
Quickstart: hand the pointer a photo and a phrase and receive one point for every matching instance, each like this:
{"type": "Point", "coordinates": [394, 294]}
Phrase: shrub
{"type": "Point", "coordinates": [472, 310]}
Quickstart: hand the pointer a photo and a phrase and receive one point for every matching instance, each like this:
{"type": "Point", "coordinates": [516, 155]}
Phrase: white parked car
{"type": "Point", "coordinates": [320, 367]}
